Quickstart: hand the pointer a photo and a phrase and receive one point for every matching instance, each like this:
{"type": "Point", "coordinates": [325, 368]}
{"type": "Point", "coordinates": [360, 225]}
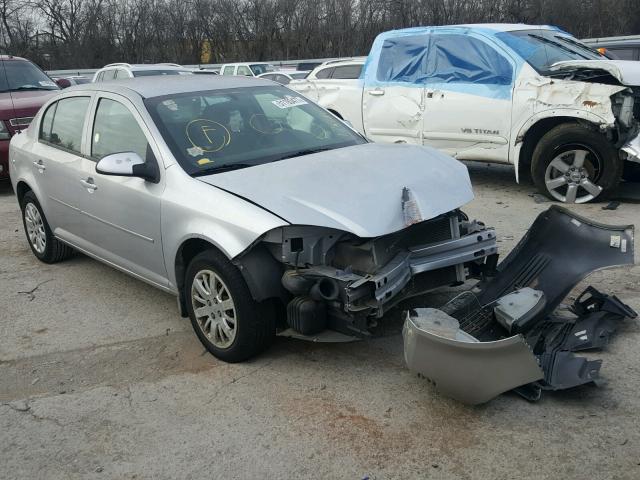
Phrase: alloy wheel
{"type": "Point", "coordinates": [214, 308]}
{"type": "Point", "coordinates": [572, 175]}
{"type": "Point", "coordinates": [35, 228]}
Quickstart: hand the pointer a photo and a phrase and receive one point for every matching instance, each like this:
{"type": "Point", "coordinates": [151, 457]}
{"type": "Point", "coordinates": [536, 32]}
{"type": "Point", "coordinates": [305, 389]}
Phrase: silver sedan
{"type": "Point", "coordinates": [262, 212]}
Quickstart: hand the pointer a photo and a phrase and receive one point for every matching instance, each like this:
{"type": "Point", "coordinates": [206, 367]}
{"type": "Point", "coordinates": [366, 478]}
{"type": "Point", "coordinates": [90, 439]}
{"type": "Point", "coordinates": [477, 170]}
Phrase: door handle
{"type": "Point", "coordinates": [39, 165]}
{"type": "Point", "coordinates": [376, 92]}
{"type": "Point", "coordinates": [89, 185]}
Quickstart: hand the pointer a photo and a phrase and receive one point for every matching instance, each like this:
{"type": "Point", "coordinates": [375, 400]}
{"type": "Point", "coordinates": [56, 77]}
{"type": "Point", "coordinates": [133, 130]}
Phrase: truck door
{"type": "Point", "coordinates": [393, 101]}
{"type": "Point", "coordinates": [468, 92]}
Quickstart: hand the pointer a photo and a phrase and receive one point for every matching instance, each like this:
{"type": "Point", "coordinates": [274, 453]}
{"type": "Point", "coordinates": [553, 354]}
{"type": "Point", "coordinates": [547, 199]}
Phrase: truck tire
{"type": "Point", "coordinates": [44, 245]}
{"type": "Point", "coordinates": [573, 164]}
{"type": "Point", "coordinates": [228, 321]}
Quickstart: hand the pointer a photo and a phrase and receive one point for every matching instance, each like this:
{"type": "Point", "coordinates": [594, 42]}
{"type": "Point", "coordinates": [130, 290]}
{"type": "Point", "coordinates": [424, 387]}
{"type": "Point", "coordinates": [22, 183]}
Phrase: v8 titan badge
{"type": "Point", "coordinates": [207, 136]}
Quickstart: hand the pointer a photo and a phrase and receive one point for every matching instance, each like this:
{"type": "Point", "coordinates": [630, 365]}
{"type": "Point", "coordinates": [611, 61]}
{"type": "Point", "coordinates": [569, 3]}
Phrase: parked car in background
{"type": "Point", "coordinates": [243, 199]}
{"type": "Point", "coordinates": [70, 81]}
{"type": "Point", "coordinates": [617, 48]}
{"type": "Point", "coordinates": [116, 71]}
{"type": "Point", "coordinates": [246, 69]}
{"type": "Point", "coordinates": [284, 78]}
{"type": "Point", "coordinates": [332, 77]}
{"type": "Point", "coordinates": [205, 71]}
{"type": "Point", "coordinates": [24, 88]}
{"type": "Point", "coordinates": [532, 96]}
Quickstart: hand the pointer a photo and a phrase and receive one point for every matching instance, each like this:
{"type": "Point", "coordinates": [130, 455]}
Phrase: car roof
{"type": "Point", "coordinates": [148, 87]}
{"type": "Point", "coordinates": [144, 66]}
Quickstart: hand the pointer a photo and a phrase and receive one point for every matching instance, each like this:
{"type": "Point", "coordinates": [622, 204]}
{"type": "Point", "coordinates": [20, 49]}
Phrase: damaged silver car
{"type": "Point", "coordinates": [259, 210]}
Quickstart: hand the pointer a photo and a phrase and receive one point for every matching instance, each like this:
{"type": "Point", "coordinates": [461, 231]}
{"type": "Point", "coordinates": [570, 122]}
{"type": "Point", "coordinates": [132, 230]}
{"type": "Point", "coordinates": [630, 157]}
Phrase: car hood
{"type": "Point", "coordinates": [24, 103]}
{"type": "Point", "coordinates": [357, 189]}
{"type": "Point", "coordinates": [626, 72]}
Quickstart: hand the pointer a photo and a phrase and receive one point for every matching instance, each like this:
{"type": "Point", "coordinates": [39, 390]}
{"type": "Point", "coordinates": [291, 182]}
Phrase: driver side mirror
{"type": "Point", "coordinates": [128, 164]}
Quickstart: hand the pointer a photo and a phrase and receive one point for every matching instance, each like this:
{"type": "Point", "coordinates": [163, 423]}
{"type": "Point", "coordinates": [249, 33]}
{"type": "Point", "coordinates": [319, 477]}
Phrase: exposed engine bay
{"type": "Point", "coordinates": [511, 331]}
{"type": "Point", "coordinates": [334, 280]}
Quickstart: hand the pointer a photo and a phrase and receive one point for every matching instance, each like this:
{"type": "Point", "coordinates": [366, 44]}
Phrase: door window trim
{"type": "Point", "coordinates": [90, 121]}
{"type": "Point", "coordinates": [84, 124]}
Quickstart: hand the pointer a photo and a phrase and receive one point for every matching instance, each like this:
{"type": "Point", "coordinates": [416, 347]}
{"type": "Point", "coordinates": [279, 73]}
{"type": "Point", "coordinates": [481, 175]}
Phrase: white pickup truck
{"type": "Point", "coordinates": [531, 96]}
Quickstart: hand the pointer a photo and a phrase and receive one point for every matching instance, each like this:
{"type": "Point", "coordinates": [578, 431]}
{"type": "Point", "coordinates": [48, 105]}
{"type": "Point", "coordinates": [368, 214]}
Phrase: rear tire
{"type": "Point", "coordinates": [228, 321]}
{"type": "Point", "coordinates": [573, 164]}
{"type": "Point", "coordinates": [43, 244]}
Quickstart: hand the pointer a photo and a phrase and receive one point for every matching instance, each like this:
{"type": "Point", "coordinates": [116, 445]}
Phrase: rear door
{"type": "Point", "coordinates": [469, 87]}
{"type": "Point", "coordinates": [57, 158]}
{"type": "Point", "coordinates": [121, 215]}
{"type": "Point", "coordinates": [393, 104]}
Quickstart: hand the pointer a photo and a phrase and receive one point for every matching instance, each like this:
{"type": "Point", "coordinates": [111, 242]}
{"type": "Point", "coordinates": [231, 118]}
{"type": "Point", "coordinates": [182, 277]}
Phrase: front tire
{"type": "Point", "coordinates": [229, 323]}
{"type": "Point", "coordinates": [573, 164]}
{"type": "Point", "coordinates": [44, 245]}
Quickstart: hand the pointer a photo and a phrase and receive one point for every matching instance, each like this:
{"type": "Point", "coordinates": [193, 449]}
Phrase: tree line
{"type": "Point", "coordinates": [59, 34]}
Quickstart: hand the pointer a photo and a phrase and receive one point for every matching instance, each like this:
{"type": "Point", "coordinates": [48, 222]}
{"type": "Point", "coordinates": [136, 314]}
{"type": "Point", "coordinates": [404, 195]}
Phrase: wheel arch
{"type": "Point", "coordinates": [22, 188]}
{"type": "Point", "coordinates": [260, 270]}
{"type": "Point", "coordinates": [534, 129]}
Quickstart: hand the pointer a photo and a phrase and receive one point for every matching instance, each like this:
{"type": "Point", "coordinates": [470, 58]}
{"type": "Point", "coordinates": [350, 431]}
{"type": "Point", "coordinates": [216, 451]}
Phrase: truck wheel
{"type": "Point", "coordinates": [573, 164]}
{"type": "Point", "coordinates": [226, 319]}
{"type": "Point", "coordinates": [44, 245]}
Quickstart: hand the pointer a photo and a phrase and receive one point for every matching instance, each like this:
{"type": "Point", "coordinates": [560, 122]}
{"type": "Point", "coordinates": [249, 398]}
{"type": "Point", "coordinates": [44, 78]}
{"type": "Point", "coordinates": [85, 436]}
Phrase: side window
{"type": "Point", "coordinates": [455, 58]}
{"type": "Point", "coordinates": [244, 70]}
{"type": "Point", "coordinates": [109, 75]}
{"type": "Point", "coordinates": [347, 72]}
{"type": "Point", "coordinates": [324, 73]}
{"type": "Point", "coordinates": [403, 59]}
{"type": "Point", "coordinates": [67, 124]}
{"type": "Point", "coordinates": [228, 70]}
{"type": "Point", "coordinates": [116, 130]}
{"type": "Point", "coordinates": [623, 53]}
{"type": "Point", "coordinates": [283, 79]}
{"type": "Point", "coordinates": [47, 123]}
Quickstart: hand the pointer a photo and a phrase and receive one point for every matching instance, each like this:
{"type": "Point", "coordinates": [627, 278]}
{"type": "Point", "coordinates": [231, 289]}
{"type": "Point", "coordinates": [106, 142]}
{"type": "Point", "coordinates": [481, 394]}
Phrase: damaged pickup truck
{"type": "Point", "coordinates": [531, 96]}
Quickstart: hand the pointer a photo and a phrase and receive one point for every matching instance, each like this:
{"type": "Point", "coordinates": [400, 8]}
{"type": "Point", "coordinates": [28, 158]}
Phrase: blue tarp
{"type": "Point", "coordinates": [461, 59]}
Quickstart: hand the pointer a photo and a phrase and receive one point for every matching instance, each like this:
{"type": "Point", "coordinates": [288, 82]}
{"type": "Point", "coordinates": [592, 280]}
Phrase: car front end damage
{"type": "Point", "coordinates": [608, 88]}
{"type": "Point", "coordinates": [511, 331]}
{"type": "Point", "coordinates": [333, 280]}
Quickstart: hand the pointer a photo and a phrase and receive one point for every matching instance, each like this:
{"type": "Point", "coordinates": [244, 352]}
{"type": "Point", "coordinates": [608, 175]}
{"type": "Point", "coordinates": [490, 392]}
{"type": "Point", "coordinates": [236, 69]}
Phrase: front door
{"type": "Point", "coordinates": [122, 214]}
{"type": "Point", "coordinates": [468, 97]}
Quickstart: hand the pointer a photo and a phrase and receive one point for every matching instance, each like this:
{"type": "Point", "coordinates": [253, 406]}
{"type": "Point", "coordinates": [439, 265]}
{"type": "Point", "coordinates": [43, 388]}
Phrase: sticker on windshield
{"type": "Point", "coordinates": [46, 83]}
{"type": "Point", "coordinates": [289, 101]}
{"type": "Point", "coordinates": [195, 151]}
{"type": "Point", "coordinates": [171, 105]}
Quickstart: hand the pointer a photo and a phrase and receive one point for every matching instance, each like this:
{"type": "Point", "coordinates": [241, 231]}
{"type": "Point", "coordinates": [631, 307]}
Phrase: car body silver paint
{"type": "Point", "coordinates": [144, 241]}
{"type": "Point", "coordinates": [356, 189]}
{"type": "Point", "coordinates": [467, 371]}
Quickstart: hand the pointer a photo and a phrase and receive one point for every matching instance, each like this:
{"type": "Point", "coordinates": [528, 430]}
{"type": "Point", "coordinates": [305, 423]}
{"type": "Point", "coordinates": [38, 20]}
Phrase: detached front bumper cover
{"type": "Point", "coordinates": [558, 251]}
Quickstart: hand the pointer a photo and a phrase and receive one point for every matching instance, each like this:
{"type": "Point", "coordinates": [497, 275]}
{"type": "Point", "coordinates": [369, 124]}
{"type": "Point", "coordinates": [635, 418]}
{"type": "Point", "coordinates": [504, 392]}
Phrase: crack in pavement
{"type": "Point", "coordinates": [25, 408]}
{"type": "Point", "coordinates": [32, 293]}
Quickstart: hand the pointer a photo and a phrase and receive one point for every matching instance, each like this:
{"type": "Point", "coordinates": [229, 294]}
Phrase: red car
{"type": "Point", "coordinates": [24, 88]}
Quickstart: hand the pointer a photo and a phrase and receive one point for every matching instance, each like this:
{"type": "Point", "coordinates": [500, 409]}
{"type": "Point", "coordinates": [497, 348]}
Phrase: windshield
{"type": "Point", "coordinates": [220, 130]}
{"type": "Point", "coordinates": [150, 73]}
{"type": "Point", "coordinates": [24, 75]}
{"type": "Point", "coordinates": [542, 48]}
